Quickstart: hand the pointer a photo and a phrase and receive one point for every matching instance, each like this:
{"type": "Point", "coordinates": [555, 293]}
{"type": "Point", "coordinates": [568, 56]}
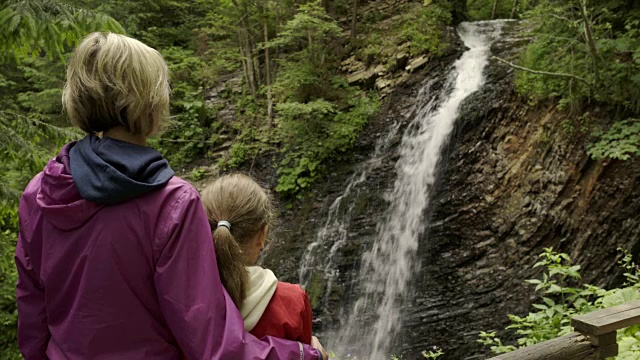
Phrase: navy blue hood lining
{"type": "Point", "coordinates": [108, 171]}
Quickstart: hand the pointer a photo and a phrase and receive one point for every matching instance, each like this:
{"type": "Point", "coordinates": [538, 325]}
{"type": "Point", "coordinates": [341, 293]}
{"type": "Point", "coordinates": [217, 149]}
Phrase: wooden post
{"type": "Point", "coordinates": [601, 326]}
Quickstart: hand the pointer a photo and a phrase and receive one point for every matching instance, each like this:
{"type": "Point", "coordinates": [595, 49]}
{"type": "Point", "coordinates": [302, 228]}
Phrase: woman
{"type": "Point", "coordinates": [240, 213]}
{"type": "Point", "coordinates": [115, 253]}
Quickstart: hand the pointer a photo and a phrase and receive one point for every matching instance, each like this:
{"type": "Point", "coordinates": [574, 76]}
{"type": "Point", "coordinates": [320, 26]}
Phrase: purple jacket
{"type": "Point", "coordinates": [132, 280]}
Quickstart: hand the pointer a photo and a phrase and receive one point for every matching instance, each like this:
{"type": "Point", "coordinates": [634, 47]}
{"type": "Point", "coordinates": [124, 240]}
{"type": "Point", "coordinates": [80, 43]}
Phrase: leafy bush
{"type": "Point", "coordinates": [424, 30]}
{"type": "Point", "coordinates": [191, 129]}
{"type": "Point", "coordinates": [418, 26]}
{"type": "Point", "coordinates": [560, 301]}
{"type": "Point", "coordinates": [316, 132]}
{"type": "Point", "coordinates": [620, 142]}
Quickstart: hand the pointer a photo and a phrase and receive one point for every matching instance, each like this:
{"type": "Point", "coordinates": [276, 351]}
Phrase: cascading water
{"type": "Point", "coordinates": [372, 322]}
{"type": "Point", "coordinates": [335, 228]}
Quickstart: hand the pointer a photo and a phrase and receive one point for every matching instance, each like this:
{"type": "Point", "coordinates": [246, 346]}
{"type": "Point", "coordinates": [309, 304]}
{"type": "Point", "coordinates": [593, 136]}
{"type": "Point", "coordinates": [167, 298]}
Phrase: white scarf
{"type": "Point", "coordinates": [261, 287]}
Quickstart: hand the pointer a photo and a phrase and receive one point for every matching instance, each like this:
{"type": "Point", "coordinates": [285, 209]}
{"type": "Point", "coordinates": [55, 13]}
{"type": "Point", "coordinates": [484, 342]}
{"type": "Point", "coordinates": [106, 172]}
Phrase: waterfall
{"type": "Point", "coordinates": [373, 320]}
{"type": "Point", "coordinates": [334, 232]}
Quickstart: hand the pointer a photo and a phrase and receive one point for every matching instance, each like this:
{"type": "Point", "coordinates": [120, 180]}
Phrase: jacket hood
{"type": "Point", "coordinates": [58, 196]}
{"type": "Point", "coordinates": [92, 172]}
{"type": "Point", "coordinates": [262, 285]}
{"type": "Point", "coordinates": [109, 171]}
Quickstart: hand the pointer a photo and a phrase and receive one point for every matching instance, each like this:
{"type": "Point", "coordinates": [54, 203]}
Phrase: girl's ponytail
{"type": "Point", "coordinates": [238, 209]}
{"type": "Point", "coordinates": [230, 264]}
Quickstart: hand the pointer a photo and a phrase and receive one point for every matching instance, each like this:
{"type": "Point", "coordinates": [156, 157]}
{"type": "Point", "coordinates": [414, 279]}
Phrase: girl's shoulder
{"type": "Point", "coordinates": [291, 300]}
{"type": "Point", "coordinates": [292, 291]}
{"type": "Point", "coordinates": [287, 316]}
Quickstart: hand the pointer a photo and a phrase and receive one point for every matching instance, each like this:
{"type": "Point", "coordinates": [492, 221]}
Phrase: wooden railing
{"type": "Point", "coordinates": [594, 339]}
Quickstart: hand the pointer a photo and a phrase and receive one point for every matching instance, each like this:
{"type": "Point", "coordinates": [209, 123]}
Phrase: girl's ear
{"type": "Point", "coordinates": [263, 236]}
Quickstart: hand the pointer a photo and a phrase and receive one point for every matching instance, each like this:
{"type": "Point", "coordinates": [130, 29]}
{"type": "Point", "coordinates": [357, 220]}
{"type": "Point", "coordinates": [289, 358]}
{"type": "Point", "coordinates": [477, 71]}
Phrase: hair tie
{"type": "Point", "coordinates": [225, 224]}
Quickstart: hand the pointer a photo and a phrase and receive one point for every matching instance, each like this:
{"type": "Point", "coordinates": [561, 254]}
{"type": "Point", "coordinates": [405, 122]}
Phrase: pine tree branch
{"type": "Point", "coordinates": [32, 26]}
{"type": "Point", "coordinates": [540, 72]}
{"type": "Point", "coordinates": [8, 194]}
{"type": "Point", "coordinates": [65, 134]}
{"type": "Point", "coordinates": [11, 141]}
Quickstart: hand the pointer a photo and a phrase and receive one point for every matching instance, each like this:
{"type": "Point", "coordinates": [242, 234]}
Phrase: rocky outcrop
{"type": "Point", "coordinates": [513, 181]}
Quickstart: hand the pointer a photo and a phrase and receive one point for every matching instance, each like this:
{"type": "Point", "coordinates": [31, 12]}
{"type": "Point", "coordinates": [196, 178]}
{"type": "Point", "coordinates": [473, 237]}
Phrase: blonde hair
{"type": "Point", "coordinates": [115, 80]}
{"type": "Point", "coordinates": [248, 207]}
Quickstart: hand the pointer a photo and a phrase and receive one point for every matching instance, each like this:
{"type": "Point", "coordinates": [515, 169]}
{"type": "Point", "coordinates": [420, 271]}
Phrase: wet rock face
{"type": "Point", "coordinates": [511, 183]}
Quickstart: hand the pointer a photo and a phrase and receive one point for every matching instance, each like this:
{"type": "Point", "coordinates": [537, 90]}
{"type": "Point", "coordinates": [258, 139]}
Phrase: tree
{"type": "Point", "coordinates": [306, 37]}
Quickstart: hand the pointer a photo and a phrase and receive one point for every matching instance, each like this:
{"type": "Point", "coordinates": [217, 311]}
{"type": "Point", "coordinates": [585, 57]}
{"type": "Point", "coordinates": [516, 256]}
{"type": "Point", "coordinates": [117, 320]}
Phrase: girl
{"type": "Point", "coordinates": [240, 214]}
{"type": "Point", "coordinates": [114, 252]}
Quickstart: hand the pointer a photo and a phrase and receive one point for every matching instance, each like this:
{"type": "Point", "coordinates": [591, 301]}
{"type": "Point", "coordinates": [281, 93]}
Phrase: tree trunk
{"type": "Point", "coordinates": [514, 9]}
{"type": "Point", "coordinates": [267, 67]}
{"type": "Point", "coordinates": [246, 47]}
{"type": "Point", "coordinates": [325, 5]}
{"type": "Point", "coordinates": [250, 65]}
{"type": "Point", "coordinates": [277, 56]}
{"type": "Point", "coordinates": [251, 46]}
{"type": "Point", "coordinates": [493, 11]}
{"type": "Point", "coordinates": [588, 34]}
{"type": "Point", "coordinates": [311, 50]}
{"type": "Point", "coordinates": [246, 68]}
{"type": "Point", "coordinates": [354, 22]}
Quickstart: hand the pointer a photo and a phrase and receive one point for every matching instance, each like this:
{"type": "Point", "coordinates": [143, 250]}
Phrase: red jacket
{"type": "Point", "coordinates": [288, 315]}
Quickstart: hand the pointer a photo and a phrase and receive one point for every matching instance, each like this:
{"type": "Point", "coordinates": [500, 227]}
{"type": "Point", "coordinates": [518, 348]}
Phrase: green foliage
{"type": "Point", "coordinates": [596, 45]}
{"type": "Point", "coordinates": [621, 141]}
{"type": "Point", "coordinates": [305, 70]}
{"type": "Point", "coordinates": [310, 31]}
{"type": "Point", "coordinates": [481, 9]}
{"type": "Point", "coordinates": [494, 343]}
{"type": "Point", "coordinates": [238, 153]}
{"type": "Point", "coordinates": [560, 45]}
{"type": "Point", "coordinates": [8, 310]}
{"type": "Point", "coordinates": [29, 27]}
{"type": "Point", "coordinates": [433, 354]}
{"type": "Point", "coordinates": [551, 317]}
{"type": "Point", "coordinates": [317, 132]}
{"type": "Point", "coordinates": [191, 128]}
{"type": "Point", "coordinates": [427, 354]}
{"type": "Point", "coordinates": [198, 174]}
{"type": "Point", "coordinates": [424, 30]}
{"type": "Point", "coordinates": [25, 146]}
{"type": "Point", "coordinates": [418, 29]}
